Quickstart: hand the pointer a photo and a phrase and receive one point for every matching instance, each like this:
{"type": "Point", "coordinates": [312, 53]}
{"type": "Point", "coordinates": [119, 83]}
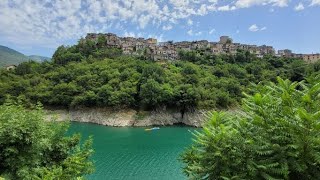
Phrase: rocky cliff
{"type": "Point", "coordinates": [128, 117]}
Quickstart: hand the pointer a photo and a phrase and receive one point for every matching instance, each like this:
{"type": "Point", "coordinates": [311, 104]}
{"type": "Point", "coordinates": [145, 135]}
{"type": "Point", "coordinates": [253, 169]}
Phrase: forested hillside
{"type": "Point", "coordinates": [39, 58]}
{"type": "Point", "coordinates": [9, 56]}
{"type": "Point", "coordinates": [89, 74]}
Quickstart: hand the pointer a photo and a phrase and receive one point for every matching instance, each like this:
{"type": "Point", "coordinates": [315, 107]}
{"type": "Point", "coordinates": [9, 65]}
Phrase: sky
{"type": "Point", "coordinates": [40, 26]}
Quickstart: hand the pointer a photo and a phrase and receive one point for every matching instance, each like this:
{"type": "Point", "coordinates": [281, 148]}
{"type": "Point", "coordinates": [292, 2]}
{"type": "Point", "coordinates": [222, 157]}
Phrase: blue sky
{"type": "Point", "coordinates": [40, 26]}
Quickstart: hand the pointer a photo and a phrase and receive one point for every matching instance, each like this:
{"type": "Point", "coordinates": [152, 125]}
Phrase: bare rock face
{"type": "Point", "coordinates": [166, 117]}
{"type": "Point", "coordinates": [128, 117]}
{"type": "Point", "coordinates": [104, 116]}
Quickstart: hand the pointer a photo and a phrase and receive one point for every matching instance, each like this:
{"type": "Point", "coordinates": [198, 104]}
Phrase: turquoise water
{"type": "Point", "coordinates": [136, 154]}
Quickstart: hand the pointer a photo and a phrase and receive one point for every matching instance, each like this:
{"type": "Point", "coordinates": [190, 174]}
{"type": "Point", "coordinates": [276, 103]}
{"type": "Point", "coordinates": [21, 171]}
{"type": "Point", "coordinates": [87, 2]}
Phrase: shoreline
{"type": "Point", "coordinates": [161, 126]}
{"type": "Point", "coordinates": [128, 117]}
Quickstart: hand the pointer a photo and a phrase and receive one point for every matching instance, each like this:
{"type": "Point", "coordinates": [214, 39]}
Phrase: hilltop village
{"type": "Point", "coordinates": [169, 50]}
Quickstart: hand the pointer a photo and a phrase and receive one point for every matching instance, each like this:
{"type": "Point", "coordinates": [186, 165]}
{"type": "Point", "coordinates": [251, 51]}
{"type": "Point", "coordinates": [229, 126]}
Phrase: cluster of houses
{"type": "Point", "coordinates": [309, 58]}
{"type": "Point", "coordinates": [169, 50]}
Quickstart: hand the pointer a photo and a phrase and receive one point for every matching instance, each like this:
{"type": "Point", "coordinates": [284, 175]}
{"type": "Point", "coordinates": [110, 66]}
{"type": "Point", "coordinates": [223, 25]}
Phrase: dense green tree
{"type": "Point", "coordinates": [154, 94]}
{"type": "Point", "coordinates": [107, 53]}
{"type": "Point", "coordinates": [23, 68]}
{"type": "Point", "coordinates": [275, 62]}
{"type": "Point", "coordinates": [64, 55]}
{"type": "Point", "coordinates": [63, 94]}
{"type": "Point", "coordinates": [242, 56]}
{"type": "Point", "coordinates": [101, 41]}
{"type": "Point", "coordinates": [316, 66]}
{"type": "Point", "coordinates": [186, 97]}
{"type": "Point", "coordinates": [57, 56]}
{"type": "Point", "coordinates": [104, 95]}
{"type": "Point", "coordinates": [274, 136]}
{"type": "Point", "coordinates": [32, 148]}
{"type": "Point", "coordinates": [152, 71]}
{"type": "Point", "coordinates": [86, 47]}
{"type": "Point", "coordinates": [296, 70]}
{"type": "Point", "coordinates": [93, 74]}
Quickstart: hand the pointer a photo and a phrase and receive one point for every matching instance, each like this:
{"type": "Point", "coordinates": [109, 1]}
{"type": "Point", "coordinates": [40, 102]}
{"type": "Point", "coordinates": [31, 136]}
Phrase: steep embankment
{"type": "Point", "coordinates": [128, 117]}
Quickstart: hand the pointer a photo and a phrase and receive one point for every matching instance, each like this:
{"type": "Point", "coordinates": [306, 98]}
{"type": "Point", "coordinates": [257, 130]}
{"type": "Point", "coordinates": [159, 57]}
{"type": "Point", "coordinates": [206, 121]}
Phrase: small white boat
{"type": "Point", "coordinates": [152, 129]}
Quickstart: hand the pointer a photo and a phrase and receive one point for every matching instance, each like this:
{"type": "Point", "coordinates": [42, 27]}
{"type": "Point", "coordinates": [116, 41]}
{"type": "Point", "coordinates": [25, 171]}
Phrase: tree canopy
{"type": "Point", "coordinates": [92, 74]}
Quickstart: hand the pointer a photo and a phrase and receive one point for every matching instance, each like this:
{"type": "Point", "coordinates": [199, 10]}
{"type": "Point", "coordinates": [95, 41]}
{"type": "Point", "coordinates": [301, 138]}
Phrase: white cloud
{"type": "Point", "coordinates": [299, 7]}
{"type": "Point", "coordinates": [250, 3]}
{"type": "Point", "coordinates": [167, 28]}
{"type": "Point", "coordinates": [160, 37]}
{"type": "Point", "coordinates": [263, 28]}
{"type": "Point", "coordinates": [198, 33]}
{"type": "Point", "coordinates": [60, 21]}
{"type": "Point", "coordinates": [255, 28]}
{"type": "Point", "coordinates": [144, 20]}
{"type": "Point", "coordinates": [226, 8]}
{"type": "Point", "coordinates": [203, 10]}
{"type": "Point", "coordinates": [191, 33]}
{"type": "Point", "coordinates": [212, 31]}
{"type": "Point", "coordinates": [315, 2]}
{"type": "Point", "coordinates": [213, 1]}
{"type": "Point", "coordinates": [129, 34]}
{"type": "Point", "coordinates": [179, 3]}
{"type": "Point", "coordinates": [54, 22]}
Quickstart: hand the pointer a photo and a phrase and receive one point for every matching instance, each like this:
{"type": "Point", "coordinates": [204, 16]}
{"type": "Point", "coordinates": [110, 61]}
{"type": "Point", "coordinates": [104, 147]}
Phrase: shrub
{"type": "Point", "coordinates": [276, 136]}
{"type": "Point", "coordinates": [31, 148]}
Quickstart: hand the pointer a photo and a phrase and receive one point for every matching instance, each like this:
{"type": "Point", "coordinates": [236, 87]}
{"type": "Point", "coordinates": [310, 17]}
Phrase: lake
{"type": "Point", "coordinates": [135, 154]}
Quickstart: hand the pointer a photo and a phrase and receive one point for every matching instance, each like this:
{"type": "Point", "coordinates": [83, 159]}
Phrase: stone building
{"type": "Point", "coordinates": [164, 53]}
{"type": "Point", "coordinates": [285, 53]}
{"type": "Point", "coordinates": [225, 39]}
{"type": "Point", "coordinates": [217, 48]}
{"type": "Point", "coordinates": [264, 49]}
{"type": "Point", "coordinates": [152, 41]}
{"type": "Point", "coordinates": [10, 67]}
{"type": "Point", "coordinates": [184, 45]}
{"type": "Point", "coordinates": [300, 56]}
{"type": "Point", "coordinates": [311, 58]}
{"type": "Point", "coordinates": [203, 44]}
{"type": "Point", "coordinates": [113, 40]}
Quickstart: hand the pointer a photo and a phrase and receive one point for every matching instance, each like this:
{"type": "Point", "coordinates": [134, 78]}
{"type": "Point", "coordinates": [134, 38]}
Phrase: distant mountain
{"type": "Point", "coordinates": [39, 58]}
{"type": "Point", "coordinates": [9, 56]}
